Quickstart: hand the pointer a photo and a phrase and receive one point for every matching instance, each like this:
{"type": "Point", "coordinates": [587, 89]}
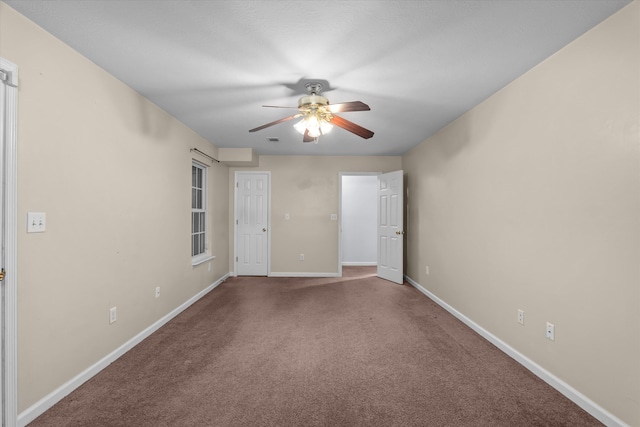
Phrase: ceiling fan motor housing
{"type": "Point", "coordinates": [313, 101]}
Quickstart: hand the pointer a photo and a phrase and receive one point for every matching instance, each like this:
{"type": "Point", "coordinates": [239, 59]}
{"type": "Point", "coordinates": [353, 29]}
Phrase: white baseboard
{"type": "Point", "coordinates": [302, 274]}
{"type": "Point", "coordinates": [359, 264]}
{"type": "Point", "coordinates": [571, 393]}
{"type": "Point", "coordinates": [58, 394]}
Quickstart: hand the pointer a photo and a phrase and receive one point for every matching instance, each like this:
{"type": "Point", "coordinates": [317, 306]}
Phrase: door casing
{"type": "Point", "coordinates": [8, 298]}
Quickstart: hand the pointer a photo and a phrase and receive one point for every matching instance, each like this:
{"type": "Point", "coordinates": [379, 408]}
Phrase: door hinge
{"type": "Point", "coordinates": [236, 259]}
{"type": "Point", "coordinates": [237, 185]}
{"type": "Point", "coordinates": [236, 222]}
{"type": "Point", "coordinates": [2, 275]}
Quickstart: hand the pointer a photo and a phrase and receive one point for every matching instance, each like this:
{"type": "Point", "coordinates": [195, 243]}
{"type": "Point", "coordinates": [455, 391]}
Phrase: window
{"type": "Point", "coordinates": [198, 211]}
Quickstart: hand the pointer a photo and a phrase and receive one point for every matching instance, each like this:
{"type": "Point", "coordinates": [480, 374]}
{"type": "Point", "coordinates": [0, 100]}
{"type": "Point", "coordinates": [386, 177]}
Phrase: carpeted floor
{"type": "Point", "coordinates": [350, 351]}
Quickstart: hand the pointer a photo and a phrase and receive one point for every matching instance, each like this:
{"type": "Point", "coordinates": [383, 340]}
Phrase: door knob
{"type": "Point", "coordinates": [399, 232]}
{"type": "Point", "coordinates": [264, 229]}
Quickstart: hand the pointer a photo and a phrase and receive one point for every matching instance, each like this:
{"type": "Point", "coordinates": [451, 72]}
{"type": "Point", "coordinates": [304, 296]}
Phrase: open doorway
{"type": "Point", "coordinates": [371, 226]}
{"type": "Point", "coordinates": [358, 219]}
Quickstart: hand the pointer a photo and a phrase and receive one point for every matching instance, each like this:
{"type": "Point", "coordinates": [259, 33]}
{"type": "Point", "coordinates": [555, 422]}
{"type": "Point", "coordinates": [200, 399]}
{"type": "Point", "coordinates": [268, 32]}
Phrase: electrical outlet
{"type": "Point", "coordinates": [158, 292]}
{"type": "Point", "coordinates": [301, 257]}
{"type": "Point", "coordinates": [551, 331]}
{"type": "Point", "coordinates": [426, 270]}
{"type": "Point", "coordinates": [521, 317]}
{"type": "Point", "coordinates": [112, 315]}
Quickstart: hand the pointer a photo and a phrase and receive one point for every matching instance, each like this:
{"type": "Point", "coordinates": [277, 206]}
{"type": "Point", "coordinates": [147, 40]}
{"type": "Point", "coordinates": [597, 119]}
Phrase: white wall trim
{"type": "Point", "coordinates": [10, 308]}
{"type": "Point", "coordinates": [571, 393]}
{"type": "Point", "coordinates": [359, 264]}
{"type": "Point", "coordinates": [54, 397]}
{"type": "Point", "coordinates": [198, 261]}
{"type": "Point", "coordinates": [301, 274]}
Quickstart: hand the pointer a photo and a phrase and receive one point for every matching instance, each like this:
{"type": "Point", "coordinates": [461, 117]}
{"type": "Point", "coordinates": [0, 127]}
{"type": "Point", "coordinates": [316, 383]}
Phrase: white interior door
{"type": "Point", "coordinates": [390, 226]}
{"type": "Point", "coordinates": [252, 213]}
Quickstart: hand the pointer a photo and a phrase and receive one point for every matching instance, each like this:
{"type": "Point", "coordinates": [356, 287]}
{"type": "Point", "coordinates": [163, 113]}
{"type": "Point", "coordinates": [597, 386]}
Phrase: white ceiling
{"type": "Point", "coordinates": [418, 64]}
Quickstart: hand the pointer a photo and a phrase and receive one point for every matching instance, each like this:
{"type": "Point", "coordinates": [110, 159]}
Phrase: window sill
{"type": "Point", "coordinates": [201, 260]}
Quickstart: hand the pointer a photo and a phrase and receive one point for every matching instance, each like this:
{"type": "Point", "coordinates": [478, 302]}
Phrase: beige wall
{"type": "Point", "coordinates": [532, 201]}
{"type": "Point", "coordinates": [113, 174]}
{"type": "Point", "coordinates": [306, 187]}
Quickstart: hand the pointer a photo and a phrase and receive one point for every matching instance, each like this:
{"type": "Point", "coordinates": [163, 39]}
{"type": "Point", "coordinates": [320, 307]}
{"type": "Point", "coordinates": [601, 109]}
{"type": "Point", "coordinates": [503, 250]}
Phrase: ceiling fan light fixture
{"type": "Point", "coordinates": [301, 126]}
{"type": "Point", "coordinates": [325, 127]}
{"type": "Point", "coordinates": [316, 118]}
{"type": "Point", "coordinates": [314, 124]}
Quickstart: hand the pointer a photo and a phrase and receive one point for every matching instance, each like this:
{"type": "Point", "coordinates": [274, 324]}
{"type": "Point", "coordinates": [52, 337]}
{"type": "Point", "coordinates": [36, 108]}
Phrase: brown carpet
{"type": "Point", "coordinates": [350, 351]}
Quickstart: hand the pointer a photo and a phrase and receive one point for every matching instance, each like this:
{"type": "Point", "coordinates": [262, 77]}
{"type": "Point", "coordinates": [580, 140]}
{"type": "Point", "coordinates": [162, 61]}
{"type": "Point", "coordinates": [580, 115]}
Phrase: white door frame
{"type": "Point", "coordinates": [340, 175]}
{"type": "Point", "coordinates": [235, 218]}
{"type": "Point", "coordinates": [9, 299]}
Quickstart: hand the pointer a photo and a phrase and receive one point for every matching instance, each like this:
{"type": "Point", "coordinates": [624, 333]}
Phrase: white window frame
{"type": "Point", "coordinates": [202, 254]}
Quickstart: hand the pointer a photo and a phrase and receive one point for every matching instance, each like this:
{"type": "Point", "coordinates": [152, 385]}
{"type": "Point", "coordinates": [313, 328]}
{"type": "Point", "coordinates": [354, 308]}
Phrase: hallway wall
{"type": "Point", "coordinates": [532, 201]}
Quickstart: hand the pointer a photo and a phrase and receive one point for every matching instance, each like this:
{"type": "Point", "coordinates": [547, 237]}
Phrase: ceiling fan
{"type": "Point", "coordinates": [319, 117]}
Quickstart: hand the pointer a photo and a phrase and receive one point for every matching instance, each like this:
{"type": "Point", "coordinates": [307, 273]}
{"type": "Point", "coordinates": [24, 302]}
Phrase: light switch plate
{"type": "Point", "coordinates": [36, 222]}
